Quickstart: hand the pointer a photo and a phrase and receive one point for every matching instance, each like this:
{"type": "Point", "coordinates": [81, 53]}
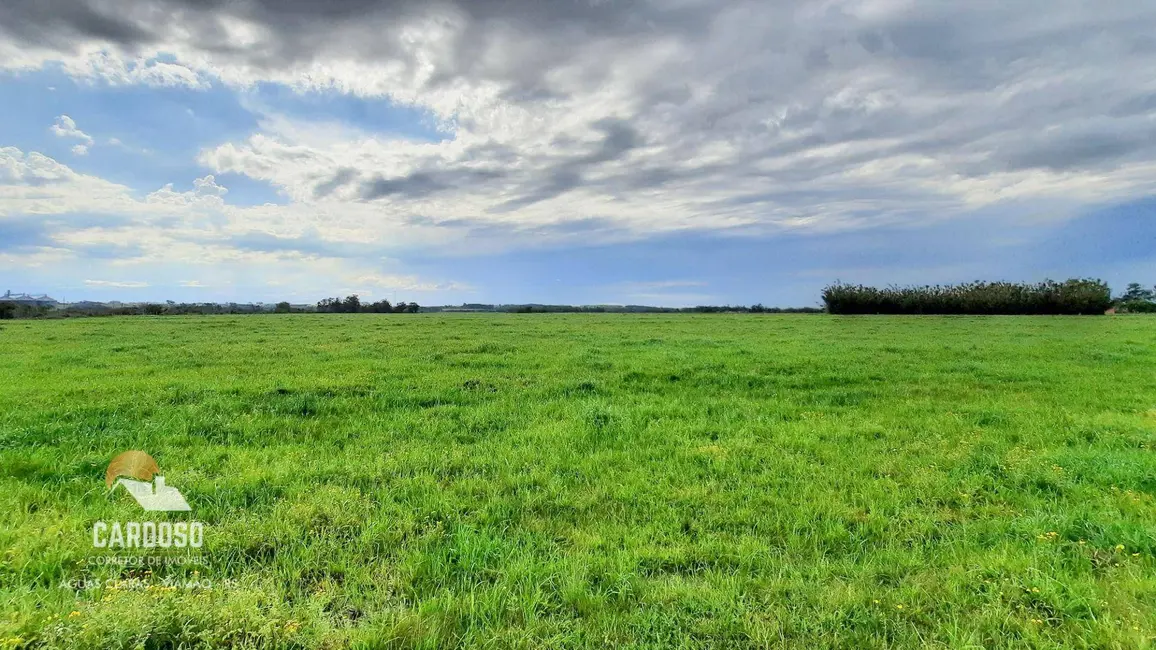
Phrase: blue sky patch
{"type": "Point", "coordinates": [375, 116]}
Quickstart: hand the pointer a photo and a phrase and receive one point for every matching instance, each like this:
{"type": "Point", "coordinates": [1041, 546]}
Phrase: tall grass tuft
{"type": "Point", "coordinates": [1082, 296]}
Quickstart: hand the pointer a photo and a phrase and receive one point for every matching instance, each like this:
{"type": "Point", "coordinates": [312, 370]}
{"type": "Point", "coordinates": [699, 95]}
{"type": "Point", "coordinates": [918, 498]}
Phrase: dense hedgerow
{"type": "Point", "coordinates": [1083, 296]}
{"type": "Point", "coordinates": [1137, 306]}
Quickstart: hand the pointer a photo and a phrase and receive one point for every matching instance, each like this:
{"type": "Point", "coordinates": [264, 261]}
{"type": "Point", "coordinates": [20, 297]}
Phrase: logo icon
{"type": "Point", "coordinates": [154, 496]}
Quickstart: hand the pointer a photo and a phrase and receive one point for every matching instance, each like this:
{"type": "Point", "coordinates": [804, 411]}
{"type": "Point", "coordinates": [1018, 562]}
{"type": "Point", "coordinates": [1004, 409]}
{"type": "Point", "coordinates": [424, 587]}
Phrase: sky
{"type": "Point", "coordinates": [670, 153]}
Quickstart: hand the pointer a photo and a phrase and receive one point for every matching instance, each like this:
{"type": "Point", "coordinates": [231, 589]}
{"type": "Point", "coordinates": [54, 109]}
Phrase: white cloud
{"type": "Point", "coordinates": [80, 149]}
{"type": "Point", "coordinates": [35, 184]}
{"type": "Point", "coordinates": [196, 284]}
{"type": "Point", "coordinates": [127, 284]}
{"type": "Point", "coordinates": [36, 257]}
{"type": "Point", "coordinates": [65, 127]}
{"type": "Point", "coordinates": [406, 283]}
{"type": "Point", "coordinates": [206, 193]}
{"type": "Point", "coordinates": [197, 228]}
{"type": "Point", "coordinates": [659, 284]}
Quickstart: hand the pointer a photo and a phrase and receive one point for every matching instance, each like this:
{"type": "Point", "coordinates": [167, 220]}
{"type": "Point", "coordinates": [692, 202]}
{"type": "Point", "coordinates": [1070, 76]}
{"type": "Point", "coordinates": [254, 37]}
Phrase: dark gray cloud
{"type": "Point", "coordinates": [301, 29]}
{"type": "Point", "coordinates": [618, 139]}
{"type": "Point", "coordinates": [1074, 152]}
{"type": "Point", "coordinates": [56, 22]}
{"type": "Point", "coordinates": [1079, 147]}
{"type": "Point", "coordinates": [342, 177]}
{"type": "Point", "coordinates": [415, 185]}
{"type": "Point", "coordinates": [425, 183]}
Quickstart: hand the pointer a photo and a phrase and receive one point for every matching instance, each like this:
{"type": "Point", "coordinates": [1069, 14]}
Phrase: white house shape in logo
{"type": "Point", "coordinates": [155, 496]}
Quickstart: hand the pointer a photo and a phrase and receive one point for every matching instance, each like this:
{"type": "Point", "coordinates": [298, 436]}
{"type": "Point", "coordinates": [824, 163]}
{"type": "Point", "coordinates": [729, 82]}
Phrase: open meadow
{"type": "Point", "coordinates": [586, 481]}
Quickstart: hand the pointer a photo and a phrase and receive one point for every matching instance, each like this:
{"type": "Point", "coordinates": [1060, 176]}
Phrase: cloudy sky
{"type": "Point", "coordinates": [594, 151]}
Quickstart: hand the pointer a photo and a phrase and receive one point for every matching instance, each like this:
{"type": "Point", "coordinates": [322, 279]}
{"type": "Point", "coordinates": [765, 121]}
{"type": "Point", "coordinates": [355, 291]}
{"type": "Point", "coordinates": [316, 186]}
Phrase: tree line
{"type": "Point", "coordinates": [1136, 298]}
{"type": "Point", "coordinates": [1075, 296]}
{"type": "Point", "coordinates": [10, 310]}
{"type": "Point", "coordinates": [353, 305]}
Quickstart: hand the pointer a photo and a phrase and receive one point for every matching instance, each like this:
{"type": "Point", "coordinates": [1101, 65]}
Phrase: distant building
{"type": "Point", "coordinates": [28, 299]}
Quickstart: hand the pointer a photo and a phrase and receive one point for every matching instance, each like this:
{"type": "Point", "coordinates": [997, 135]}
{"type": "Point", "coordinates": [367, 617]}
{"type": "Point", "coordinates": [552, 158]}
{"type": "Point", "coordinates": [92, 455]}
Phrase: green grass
{"type": "Point", "coordinates": [590, 481]}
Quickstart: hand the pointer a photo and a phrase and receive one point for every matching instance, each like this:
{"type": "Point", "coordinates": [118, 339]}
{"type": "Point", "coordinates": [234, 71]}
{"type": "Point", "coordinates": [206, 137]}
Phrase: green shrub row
{"type": "Point", "coordinates": [1137, 306]}
{"type": "Point", "coordinates": [1048, 297]}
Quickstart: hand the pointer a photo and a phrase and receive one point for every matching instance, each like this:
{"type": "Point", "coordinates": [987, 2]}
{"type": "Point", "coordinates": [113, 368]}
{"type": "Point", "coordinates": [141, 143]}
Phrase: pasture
{"type": "Point", "coordinates": [586, 481]}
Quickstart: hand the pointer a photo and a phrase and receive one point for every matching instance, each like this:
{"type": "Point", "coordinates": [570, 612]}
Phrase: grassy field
{"type": "Point", "coordinates": [589, 481]}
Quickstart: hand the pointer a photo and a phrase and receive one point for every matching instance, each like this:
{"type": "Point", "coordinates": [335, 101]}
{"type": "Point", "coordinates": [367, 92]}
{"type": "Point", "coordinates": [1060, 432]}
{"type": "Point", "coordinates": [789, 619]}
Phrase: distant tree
{"type": "Point", "coordinates": [282, 307]}
{"type": "Point", "coordinates": [153, 309]}
{"type": "Point", "coordinates": [1135, 292]}
{"type": "Point", "coordinates": [7, 310]}
{"type": "Point", "coordinates": [1074, 296]}
{"type": "Point", "coordinates": [339, 305]}
{"type": "Point", "coordinates": [379, 307]}
{"type": "Point", "coordinates": [31, 311]}
{"type": "Point", "coordinates": [412, 308]}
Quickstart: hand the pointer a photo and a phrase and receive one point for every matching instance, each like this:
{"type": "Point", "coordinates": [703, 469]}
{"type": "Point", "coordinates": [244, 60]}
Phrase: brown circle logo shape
{"type": "Point", "coordinates": [135, 464]}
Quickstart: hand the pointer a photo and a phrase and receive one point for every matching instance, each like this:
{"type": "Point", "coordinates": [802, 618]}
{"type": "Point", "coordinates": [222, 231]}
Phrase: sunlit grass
{"type": "Point", "coordinates": [590, 481]}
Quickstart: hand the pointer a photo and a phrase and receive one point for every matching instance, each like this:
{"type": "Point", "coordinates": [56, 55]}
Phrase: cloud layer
{"type": "Point", "coordinates": [579, 121]}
